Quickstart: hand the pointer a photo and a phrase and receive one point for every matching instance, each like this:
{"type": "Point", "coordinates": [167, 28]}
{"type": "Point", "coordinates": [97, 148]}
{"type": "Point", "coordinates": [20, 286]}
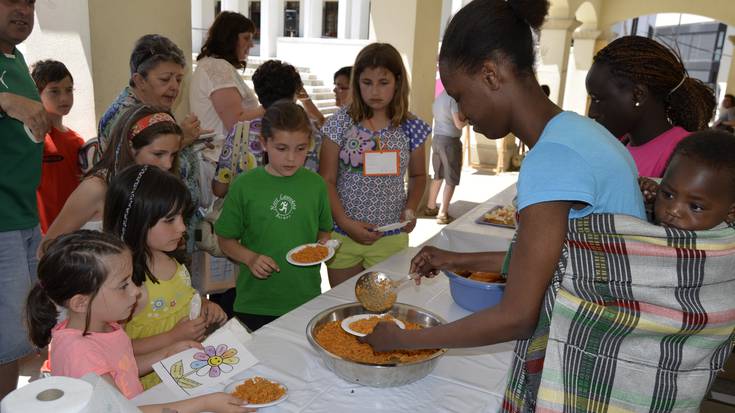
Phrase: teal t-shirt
{"type": "Point", "coordinates": [271, 215]}
{"type": "Point", "coordinates": [20, 157]}
{"type": "Point", "coordinates": [577, 159]}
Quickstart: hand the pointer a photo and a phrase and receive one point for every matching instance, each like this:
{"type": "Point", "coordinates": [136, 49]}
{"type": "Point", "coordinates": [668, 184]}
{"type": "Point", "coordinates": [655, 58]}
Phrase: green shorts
{"type": "Point", "coordinates": [352, 253]}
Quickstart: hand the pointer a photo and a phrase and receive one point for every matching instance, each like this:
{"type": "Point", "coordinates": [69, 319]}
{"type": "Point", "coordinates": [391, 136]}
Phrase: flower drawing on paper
{"type": "Point", "coordinates": [214, 361]}
{"type": "Point", "coordinates": [177, 372]}
{"type": "Point", "coordinates": [355, 144]}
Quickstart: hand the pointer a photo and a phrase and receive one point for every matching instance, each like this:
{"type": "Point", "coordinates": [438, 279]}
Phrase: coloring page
{"type": "Point", "coordinates": [193, 372]}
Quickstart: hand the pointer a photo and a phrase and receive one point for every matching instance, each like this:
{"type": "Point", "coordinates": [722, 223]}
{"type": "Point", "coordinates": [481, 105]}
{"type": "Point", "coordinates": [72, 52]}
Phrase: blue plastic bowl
{"type": "Point", "coordinates": [474, 295]}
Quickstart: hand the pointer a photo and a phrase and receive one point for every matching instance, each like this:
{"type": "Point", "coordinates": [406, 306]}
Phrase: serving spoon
{"type": "Point", "coordinates": [377, 292]}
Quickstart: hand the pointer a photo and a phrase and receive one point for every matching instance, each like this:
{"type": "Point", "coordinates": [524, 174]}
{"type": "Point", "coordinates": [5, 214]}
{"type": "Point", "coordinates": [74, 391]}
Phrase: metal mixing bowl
{"type": "Point", "coordinates": [369, 374]}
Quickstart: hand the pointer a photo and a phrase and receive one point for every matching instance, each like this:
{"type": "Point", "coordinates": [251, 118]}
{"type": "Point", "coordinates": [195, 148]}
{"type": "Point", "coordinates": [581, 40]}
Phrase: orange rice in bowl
{"type": "Point", "coordinates": [335, 340]}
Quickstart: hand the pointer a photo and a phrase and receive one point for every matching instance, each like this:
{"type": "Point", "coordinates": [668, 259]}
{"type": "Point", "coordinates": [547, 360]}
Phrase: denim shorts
{"type": "Point", "coordinates": [18, 264]}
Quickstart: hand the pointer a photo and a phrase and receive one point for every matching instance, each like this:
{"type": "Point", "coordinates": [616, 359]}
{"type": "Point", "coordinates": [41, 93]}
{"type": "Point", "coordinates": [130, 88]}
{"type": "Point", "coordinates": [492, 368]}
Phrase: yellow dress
{"type": "Point", "coordinates": [168, 302]}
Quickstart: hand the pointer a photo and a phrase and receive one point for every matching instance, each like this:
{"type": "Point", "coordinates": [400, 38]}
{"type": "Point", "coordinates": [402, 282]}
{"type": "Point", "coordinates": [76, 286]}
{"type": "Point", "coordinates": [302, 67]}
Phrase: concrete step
{"type": "Point", "coordinates": [328, 110]}
{"type": "Point", "coordinates": [318, 89]}
{"type": "Point", "coordinates": [254, 62]}
{"type": "Point", "coordinates": [323, 103]}
{"type": "Point", "coordinates": [248, 75]}
{"type": "Point", "coordinates": [313, 82]}
{"type": "Point", "coordinates": [321, 95]}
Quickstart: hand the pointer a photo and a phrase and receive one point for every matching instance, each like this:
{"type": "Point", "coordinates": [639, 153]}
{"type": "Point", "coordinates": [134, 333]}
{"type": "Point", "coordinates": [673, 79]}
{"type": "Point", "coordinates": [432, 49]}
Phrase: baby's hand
{"type": "Point", "coordinates": [649, 188]}
{"type": "Point", "coordinates": [213, 313]}
{"type": "Point", "coordinates": [262, 266]}
{"type": "Point", "coordinates": [190, 329]}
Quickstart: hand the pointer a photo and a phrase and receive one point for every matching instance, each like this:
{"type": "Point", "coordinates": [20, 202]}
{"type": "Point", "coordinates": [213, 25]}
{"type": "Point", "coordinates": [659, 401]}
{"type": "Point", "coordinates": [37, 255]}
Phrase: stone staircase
{"type": "Point", "coordinates": [321, 94]}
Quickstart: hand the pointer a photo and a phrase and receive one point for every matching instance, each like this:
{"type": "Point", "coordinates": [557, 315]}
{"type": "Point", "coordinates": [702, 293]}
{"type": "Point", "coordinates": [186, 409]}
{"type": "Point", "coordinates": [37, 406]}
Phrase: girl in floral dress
{"type": "Point", "coordinates": [370, 145]}
{"type": "Point", "coordinates": [145, 207]}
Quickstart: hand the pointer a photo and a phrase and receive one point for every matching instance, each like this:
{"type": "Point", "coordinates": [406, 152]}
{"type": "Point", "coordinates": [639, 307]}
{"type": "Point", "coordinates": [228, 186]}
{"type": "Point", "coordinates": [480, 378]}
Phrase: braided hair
{"type": "Point", "coordinates": [72, 264]}
{"type": "Point", "coordinates": [689, 102]}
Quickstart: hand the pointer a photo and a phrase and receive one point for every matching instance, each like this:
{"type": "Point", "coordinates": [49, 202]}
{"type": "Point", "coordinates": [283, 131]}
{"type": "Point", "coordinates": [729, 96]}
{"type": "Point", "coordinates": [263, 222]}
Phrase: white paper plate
{"type": "Point", "coordinates": [349, 320]}
{"type": "Point", "coordinates": [306, 264]}
{"type": "Point", "coordinates": [391, 227]}
{"type": "Point", "coordinates": [232, 386]}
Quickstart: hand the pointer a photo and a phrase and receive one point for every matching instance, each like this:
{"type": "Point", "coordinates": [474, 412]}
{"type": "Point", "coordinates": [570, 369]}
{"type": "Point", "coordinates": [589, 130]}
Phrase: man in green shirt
{"type": "Point", "coordinates": [23, 126]}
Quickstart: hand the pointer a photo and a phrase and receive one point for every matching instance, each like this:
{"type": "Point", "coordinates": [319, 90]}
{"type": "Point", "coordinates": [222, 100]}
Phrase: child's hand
{"type": "Point", "coordinates": [224, 403]}
{"type": "Point", "coordinates": [362, 232]}
{"type": "Point", "coordinates": [649, 188]}
{"type": "Point", "coordinates": [180, 346]}
{"type": "Point", "coordinates": [262, 266]}
{"type": "Point", "coordinates": [213, 313]}
{"type": "Point", "coordinates": [302, 94]}
{"type": "Point", "coordinates": [189, 329]}
{"type": "Point", "coordinates": [406, 215]}
{"type": "Point", "coordinates": [191, 128]}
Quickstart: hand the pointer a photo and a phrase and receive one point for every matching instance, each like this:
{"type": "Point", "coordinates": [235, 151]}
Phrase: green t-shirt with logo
{"type": "Point", "coordinates": [270, 215]}
{"type": "Point", "coordinates": [20, 157]}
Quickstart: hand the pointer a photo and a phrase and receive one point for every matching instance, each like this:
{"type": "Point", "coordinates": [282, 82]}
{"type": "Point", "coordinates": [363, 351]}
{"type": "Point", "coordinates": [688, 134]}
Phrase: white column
{"type": "Point", "coordinates": [456, 5]}
{"type": "Point", "coordinates": [556, 38]}
{"type": "Point", "coordinates": [301, 19]}
{"type": "Point", "coordinates": [343, 19]}
{"type": "Point", "coordinates": [271, 26]}
{"type": "Point", "coordinates": [575, 94]}
{"type": "Point", "coordinates": [360, 18]}
{"type": "Point", "coordinates": [231, 5]}
{"type": "Point", "coordinates": [731, 73]}
{"type": "Point", "coordinates": [202, 16]}
{"type": "Point", "coordinates": [312, 10]}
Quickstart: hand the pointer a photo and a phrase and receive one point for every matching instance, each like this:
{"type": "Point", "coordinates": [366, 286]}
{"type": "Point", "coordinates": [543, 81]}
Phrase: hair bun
{"type": "Point", "coordinates": [533, 12]}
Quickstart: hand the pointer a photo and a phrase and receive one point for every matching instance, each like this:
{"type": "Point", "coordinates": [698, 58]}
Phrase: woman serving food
{"type": "Point", "coordinates": [574, 168]}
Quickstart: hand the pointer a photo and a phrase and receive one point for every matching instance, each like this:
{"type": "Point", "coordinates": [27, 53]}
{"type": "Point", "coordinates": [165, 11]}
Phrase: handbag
{"type": "Point", "coordinates": [204, 235]}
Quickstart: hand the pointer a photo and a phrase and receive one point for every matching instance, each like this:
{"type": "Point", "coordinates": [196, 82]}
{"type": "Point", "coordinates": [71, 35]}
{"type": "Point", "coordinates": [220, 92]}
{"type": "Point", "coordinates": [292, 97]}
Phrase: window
{"type": "Point", "coordinates": [255, 17]}
{"type": "Point", "coordinates": [291, 19]}
{"type": "Point", "coordinates": [329, 20]}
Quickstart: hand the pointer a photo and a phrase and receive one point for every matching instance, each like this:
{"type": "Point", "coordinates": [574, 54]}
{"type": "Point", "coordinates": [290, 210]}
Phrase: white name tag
{"type": "Point", "coordinates": [381, 163]}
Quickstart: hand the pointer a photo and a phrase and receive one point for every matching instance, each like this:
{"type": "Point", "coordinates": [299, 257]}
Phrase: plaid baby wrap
{"type": "Point", "coordinates": [637, 318]}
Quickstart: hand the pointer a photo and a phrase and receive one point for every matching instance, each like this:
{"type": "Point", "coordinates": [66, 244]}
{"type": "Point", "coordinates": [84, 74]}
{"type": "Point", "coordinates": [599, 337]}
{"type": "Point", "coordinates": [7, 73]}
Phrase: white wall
{"type": "Point", "coordinates": [61, 32]}
{"type": "Point", "coordinates": [322, 56]}
{"type": "Point", "coordinates": [725, 64]}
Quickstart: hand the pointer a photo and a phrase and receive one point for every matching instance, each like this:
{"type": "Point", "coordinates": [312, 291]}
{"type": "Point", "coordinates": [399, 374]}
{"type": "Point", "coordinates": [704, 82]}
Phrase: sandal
{"type": "Point", "coordinates": [444, 219]}
{"type": "Point", "coordinates": [431, 212]}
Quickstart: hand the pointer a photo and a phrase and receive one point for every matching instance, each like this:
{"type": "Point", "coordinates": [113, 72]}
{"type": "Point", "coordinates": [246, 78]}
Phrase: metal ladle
{"type": "Point", "coordinates": [377, 292]}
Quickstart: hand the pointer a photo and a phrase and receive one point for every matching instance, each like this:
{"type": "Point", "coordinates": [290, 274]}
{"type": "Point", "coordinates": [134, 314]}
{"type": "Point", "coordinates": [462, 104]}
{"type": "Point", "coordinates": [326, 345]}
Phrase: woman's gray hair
{"type": "Point", "coordinates": [150, 51]}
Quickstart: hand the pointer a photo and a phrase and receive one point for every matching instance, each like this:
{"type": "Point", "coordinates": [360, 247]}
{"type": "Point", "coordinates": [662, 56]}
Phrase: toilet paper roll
{"type": "Point", "coordinates": [52, 394]}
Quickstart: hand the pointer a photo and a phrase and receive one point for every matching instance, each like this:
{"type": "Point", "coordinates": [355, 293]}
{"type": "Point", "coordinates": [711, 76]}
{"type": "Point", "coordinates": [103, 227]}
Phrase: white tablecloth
{"type": "Point", "coordinates": [465, 380]}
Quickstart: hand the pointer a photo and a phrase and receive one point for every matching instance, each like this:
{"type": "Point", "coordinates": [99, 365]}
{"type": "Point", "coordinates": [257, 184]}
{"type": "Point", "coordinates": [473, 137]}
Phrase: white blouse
{"type": "Point", "coordinates": [213, 74]}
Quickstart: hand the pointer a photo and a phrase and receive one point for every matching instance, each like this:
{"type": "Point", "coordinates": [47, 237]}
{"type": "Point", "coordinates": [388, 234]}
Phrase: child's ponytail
{"type": "Point", "coordinates": [41, 316]}
{"type": "Point", "coordinates": [71, 265]}
{"type": "Point", "coordinates": [493, 30]}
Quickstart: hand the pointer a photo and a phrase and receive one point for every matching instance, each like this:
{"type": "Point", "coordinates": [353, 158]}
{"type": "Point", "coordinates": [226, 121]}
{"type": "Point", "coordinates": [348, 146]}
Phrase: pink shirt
{"type": "Point", "coordinates": [652, 156]}
{"type": "Point", "coordinates": [74, 355]}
